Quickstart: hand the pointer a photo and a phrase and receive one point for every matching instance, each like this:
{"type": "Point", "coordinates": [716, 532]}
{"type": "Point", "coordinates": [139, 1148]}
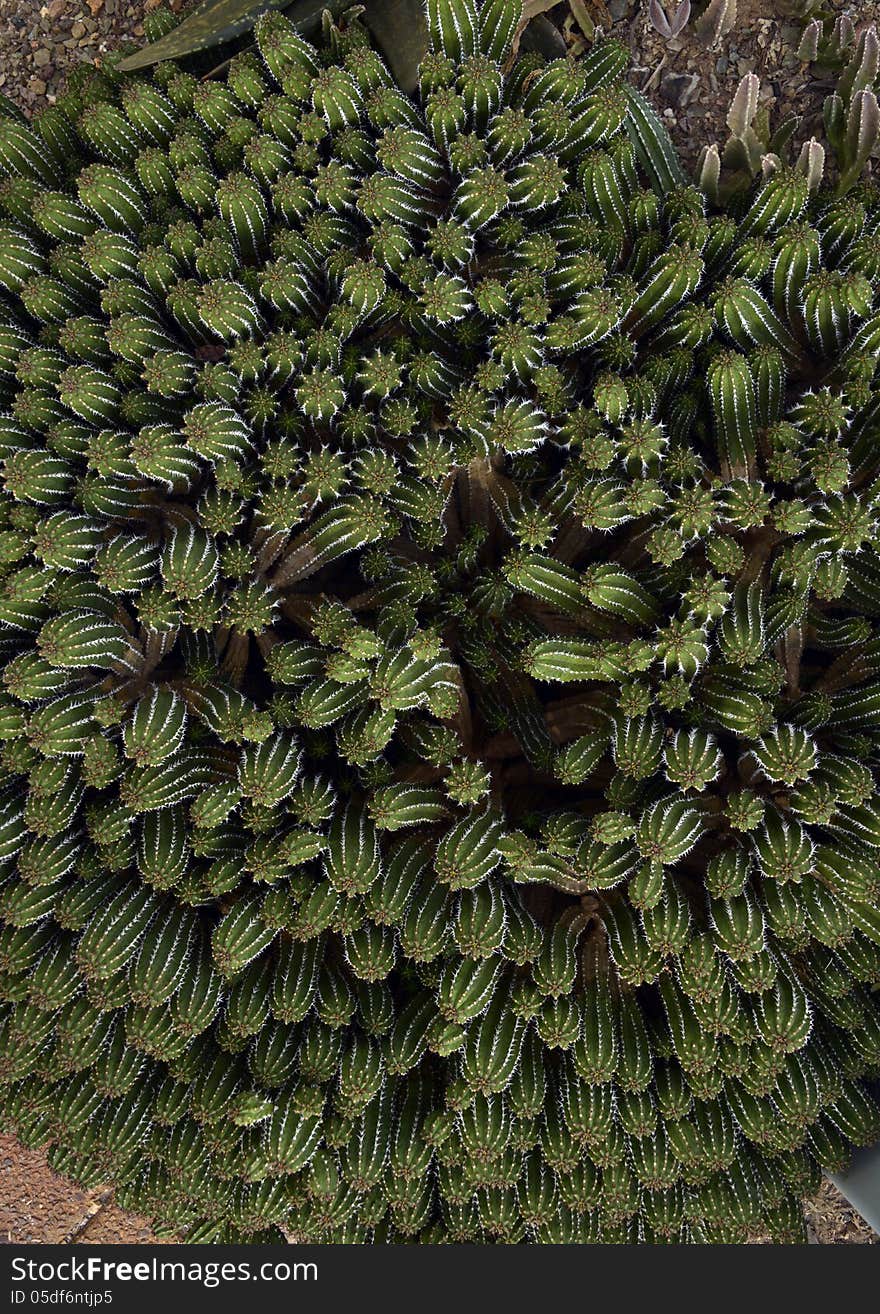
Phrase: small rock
{"type": "Point", "coordinates": [78, 30]}
{"type": "Point", "coordinates": [679, 89]}
{"type": "Point", "coordinates": [37, 87]}
{"type": "Point", "coordinates": [42, 58]}
{"type": "Point", "coordinates": [618, 9]}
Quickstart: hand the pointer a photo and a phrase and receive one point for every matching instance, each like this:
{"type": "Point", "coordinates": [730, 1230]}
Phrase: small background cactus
{"type": "Point", "coordinates": [439, 595]}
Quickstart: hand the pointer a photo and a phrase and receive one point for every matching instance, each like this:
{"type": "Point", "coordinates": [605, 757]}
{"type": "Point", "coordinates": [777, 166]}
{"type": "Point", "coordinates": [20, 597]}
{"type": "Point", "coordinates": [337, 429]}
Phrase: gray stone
{"type": "Point", "coordinates": [679, 89]}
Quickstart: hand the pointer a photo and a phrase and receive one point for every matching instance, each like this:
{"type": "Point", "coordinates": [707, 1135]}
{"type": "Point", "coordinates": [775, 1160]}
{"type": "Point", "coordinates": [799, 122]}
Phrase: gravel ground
{"type": "Point", "coordinates": [833, 1221]}
{"type": "Point", "coordinates": [39, 42]}
{"type": "Point", "coordinates": [692, 86]}
{"type": "Point", "coordinates": [36, 1205]}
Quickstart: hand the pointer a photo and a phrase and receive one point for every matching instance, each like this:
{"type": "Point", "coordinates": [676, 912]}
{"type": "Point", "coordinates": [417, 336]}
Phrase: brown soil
{"type": "Point", "coordinates": [36, 1205]}
{"type": "Point", "coordinates": [834, 1222]}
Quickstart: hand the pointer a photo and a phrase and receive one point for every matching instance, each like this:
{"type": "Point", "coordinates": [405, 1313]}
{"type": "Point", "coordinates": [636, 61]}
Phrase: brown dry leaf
{"type": "Point", "coordinates": [601, 14]}
{"type": "Point", "coordinates": [531, 9]}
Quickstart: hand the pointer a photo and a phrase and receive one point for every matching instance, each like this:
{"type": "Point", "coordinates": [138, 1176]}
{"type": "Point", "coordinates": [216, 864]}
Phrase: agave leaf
{"type": "Point", "coordinates": [543, 35]}
{"type": "Point", "coordinates": [531, 8]}
{"type": "Point", "coordinates": [215, 21]}
{"type": "Point", "coordinates": [401, 33]}
{"type": "Point", "coordinates": [9, 110]}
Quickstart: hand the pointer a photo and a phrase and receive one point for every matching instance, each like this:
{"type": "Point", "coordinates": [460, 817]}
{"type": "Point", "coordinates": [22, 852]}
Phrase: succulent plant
{"type": "Point", "coordinates": [672, 23]}
{"type": "Point", "coordinates": [851, 119]}
{"type": "Point", "coordinates": [441, 676]}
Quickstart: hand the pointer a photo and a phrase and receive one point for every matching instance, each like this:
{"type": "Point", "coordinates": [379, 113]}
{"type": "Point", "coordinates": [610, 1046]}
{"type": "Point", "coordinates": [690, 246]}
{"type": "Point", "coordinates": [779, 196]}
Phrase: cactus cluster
{"type": "Point", "coordinates": [439, 581]}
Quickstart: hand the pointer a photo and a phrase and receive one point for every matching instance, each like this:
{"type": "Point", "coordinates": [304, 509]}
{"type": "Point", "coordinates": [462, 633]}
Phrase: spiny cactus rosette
{"type": "Point", "coordinates": [441, 683]}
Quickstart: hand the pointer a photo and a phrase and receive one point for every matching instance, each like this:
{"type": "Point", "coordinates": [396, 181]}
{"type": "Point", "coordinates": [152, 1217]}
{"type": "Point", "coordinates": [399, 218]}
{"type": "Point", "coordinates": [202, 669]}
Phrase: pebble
{"type": "Point", "coordinates": [679, 89]}
{"type": "Point", "coordinates": [42, 57]}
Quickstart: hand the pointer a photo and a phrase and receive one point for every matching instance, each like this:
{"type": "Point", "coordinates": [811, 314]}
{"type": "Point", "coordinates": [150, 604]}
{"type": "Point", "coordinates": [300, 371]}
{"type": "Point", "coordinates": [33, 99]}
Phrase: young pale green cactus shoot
{"type": "Point", "coordinates": [440, 705]}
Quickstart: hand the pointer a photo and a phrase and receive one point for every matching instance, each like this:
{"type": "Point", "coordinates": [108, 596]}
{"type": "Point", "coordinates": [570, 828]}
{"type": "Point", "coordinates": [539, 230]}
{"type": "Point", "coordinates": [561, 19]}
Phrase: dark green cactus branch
{"type": "Point", "coordinates": [440, 705]}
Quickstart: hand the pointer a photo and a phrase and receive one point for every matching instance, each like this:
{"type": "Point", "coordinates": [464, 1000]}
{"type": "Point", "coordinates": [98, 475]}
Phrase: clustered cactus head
{"type": "Point", "coordinates": [441, 675]}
